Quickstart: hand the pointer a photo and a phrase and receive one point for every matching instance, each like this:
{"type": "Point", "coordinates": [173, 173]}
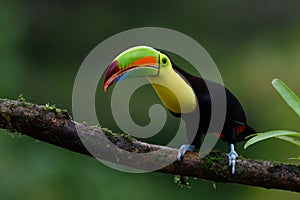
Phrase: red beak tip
{"type": "Point", "coordinates": [112, 69]}
{"type": "Point", "coordinates": [105, 88]}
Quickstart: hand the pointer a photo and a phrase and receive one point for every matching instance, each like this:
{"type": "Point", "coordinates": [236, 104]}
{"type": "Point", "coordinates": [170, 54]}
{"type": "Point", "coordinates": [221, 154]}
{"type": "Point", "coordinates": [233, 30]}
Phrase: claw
{"type": "Point", "coordinates": [183, 149]}
{"type": "Point", "coordinates": [232, 155]}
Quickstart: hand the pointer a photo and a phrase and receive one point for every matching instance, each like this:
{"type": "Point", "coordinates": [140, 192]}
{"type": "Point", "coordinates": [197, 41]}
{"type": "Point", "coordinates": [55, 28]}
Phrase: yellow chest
{"type": "Point", "coordinates": [174, 92]}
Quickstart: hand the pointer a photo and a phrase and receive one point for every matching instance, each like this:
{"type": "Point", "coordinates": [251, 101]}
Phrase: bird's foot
{"type": "Point", "coordinates": [232, 155]}
{"type": "Point", "coordinates": [183, 149]}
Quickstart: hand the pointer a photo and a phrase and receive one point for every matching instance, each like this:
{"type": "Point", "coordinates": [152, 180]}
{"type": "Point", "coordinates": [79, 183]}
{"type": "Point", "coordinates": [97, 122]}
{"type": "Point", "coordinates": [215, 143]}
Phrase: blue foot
{"type": "Point", "coordinates": [232, 155]}
{"type": "Point", "coordinates": [183, 149]}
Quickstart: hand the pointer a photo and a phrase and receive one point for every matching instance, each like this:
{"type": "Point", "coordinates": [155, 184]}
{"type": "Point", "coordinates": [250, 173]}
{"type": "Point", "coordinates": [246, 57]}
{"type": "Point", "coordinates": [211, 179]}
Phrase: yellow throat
{"type": "Point", "coordinates": [175, 93]}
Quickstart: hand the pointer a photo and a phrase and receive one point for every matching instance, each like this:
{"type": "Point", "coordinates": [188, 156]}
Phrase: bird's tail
{"type": "Point", "coordinates": [248, 133]}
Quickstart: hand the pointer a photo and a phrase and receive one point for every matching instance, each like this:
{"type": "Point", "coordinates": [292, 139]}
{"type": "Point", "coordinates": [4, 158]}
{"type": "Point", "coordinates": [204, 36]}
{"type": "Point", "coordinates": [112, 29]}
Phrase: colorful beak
{"type": "Point", "coordinates": [137, 61]}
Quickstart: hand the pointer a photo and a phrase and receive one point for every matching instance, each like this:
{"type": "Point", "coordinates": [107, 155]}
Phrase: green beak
{"type": "Point", "coordinates": [139, 61]}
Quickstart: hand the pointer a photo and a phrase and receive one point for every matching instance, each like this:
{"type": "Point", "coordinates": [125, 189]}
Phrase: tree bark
{"type": "Point", "coordinates": [55, 126]}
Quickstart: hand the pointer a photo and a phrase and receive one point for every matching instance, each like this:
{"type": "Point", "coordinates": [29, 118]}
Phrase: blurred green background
{"type": "Point", "coordinates": [43, 43]}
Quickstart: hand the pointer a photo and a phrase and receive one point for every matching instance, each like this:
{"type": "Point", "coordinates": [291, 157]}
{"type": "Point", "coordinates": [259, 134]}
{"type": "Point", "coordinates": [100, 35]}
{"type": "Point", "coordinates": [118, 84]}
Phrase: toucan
{"type": "Point", "coordinates": [181, 93]}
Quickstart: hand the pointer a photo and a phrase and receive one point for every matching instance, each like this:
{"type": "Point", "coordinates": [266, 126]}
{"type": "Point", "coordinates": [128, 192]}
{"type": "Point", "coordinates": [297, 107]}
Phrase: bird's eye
{"type": "Point", "coordinates": [164, 61]}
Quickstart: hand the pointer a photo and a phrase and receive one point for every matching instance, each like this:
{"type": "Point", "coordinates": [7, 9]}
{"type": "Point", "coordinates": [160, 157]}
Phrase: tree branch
{"type": "Point", "coordinates": [54, 126]}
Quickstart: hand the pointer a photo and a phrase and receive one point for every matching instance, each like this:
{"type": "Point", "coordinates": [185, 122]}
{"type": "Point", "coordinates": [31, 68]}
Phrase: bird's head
{"type": "Point", "coordinates": [139, 61]}
{"type": "Point", "coordinates": [142, 61]}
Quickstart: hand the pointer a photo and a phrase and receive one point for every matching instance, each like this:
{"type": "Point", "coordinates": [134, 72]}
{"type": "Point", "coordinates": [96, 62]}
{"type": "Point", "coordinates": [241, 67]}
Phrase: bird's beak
{"type": "Point", "coordinates": [137, 61]}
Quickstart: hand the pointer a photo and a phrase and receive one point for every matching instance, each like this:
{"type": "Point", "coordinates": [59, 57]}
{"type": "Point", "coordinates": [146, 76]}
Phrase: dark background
{"type": "Point", "coordinates": [42, 44]}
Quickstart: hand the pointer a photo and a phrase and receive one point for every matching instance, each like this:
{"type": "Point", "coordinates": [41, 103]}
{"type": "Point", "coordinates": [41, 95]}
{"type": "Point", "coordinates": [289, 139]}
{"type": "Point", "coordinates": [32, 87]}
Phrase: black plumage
{"type": "Point", "coordinates": [235, 127]}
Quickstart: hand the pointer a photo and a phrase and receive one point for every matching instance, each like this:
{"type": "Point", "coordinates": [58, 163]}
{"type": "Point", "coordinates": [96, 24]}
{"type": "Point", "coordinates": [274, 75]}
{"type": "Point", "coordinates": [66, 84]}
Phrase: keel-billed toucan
{"type": "Point", "coordinates": [181, 93]}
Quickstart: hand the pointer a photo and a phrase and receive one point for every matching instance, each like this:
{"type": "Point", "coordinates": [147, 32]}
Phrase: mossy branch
{"type": "Point", "coordinates": [54, 126]}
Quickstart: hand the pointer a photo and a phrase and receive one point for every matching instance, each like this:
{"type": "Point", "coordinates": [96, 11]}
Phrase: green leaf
{"type": "Point", "coordinates": [289, 139]}
{"type": "Point", "coordinates": [298, 158]}
{"type": "Point", "coordinates": [288, 95]}
{"type": "Point", "coordinates": [270, 134]}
